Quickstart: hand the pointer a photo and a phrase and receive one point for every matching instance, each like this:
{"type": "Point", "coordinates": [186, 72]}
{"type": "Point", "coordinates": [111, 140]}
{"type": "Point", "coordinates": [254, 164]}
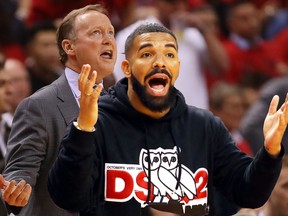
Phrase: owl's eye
{"type": "Point", "coordinates": [155, 159]}
{"type": "Point", "coordinates": [173, 159]}
{"type": "Point", "coordinates": [146, 159]}
{"type": "Point", "coordinates": [165, 159]}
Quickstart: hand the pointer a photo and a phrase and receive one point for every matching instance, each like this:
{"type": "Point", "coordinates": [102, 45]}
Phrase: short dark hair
{"type": "Point", "coordinates": [146, 28]}
{"type": "Point", "coordinates": [235, 5]}
{"type": "Point", "coordinates": [41, 26]}
{"type": "Point", "coordinates": [66, 28]}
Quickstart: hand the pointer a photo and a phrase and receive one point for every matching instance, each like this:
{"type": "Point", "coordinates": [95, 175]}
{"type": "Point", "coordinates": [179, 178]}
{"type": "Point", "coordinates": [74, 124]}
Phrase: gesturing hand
{"type": "Point", "coordinates": [275, 125]}
{"type": "Point", "coordinates": [88, 113]}
{"type": "Point", "coordinates": [15, 195]}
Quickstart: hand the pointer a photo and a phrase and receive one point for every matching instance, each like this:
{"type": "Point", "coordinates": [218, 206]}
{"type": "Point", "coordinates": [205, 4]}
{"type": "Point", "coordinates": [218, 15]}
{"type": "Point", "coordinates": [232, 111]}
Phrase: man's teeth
{"type": "Point", "coordinates": [158, 90]}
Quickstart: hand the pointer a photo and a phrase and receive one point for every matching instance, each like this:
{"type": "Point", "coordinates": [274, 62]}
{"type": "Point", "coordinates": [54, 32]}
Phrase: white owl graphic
{"type": "Point", "coordinates": [164, 172]}
{"type": "Point", "coordinates": [155, 161]}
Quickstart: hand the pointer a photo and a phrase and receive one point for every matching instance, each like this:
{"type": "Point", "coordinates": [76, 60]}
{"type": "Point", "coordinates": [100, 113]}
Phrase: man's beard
{"type": "Point", "coordinates": [156, 104]}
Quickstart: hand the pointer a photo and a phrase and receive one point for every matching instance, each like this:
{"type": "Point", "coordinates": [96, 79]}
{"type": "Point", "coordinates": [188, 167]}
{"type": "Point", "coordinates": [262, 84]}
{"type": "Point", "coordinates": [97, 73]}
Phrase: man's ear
{"type": "Point", "coordinates": [67, 46]}
{"type": "Point", "coordinates": [126, 68]}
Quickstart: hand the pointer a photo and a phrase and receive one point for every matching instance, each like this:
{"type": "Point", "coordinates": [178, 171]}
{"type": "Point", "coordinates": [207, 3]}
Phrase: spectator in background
{"type": "Point", "coordinates": [12, 29]}
{"type": "Point", "coordinates": [84, 36]}
{"type": "Point", "coordinates": [275, 17]}
{"type": "Point", "coordinates": [277, 204]}
{"type": "Point", "coordinates": [5, 93]}
{"type": "Point", "coordinates": [20, 82]}
{"type": "Point", "coordinates": [121, 12]}
{"type": "Point", "coordinates": [42, 55]}
{"type": "Point", "coordinates": [228, 103]}
{"type": "Point", "coordinates": [251, 85]}
{"type": "Point", "coordinates": [5, 106]}
{"type": "Point", "coordinates": [199, 46]}
{"type": "Point", "coordinates": [280, 41]}
{"type": "Point", "coordinates": [251, 125]}
{"type": "Point", "coordinates": [247, 51]}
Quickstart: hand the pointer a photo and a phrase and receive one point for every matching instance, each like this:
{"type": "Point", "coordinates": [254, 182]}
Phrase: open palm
{"type": "Point", "coordinates": [275, 125]}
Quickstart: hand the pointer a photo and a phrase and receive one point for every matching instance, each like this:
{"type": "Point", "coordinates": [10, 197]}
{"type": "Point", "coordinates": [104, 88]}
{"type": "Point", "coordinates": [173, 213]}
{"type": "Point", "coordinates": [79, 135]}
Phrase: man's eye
{"type": "Point", "coordinates": [170, 55]}
{"type": "Point", "coordinates": [111, 33]}
{"type": "Point", "coordinates": [144, 55]}
{"type": "Point", "coordinates": [97, 32]}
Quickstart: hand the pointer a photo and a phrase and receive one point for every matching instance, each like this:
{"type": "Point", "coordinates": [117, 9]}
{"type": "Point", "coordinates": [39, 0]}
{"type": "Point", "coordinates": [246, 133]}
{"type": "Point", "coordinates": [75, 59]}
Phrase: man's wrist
{"type": "Point", "coordinates": [75, 123]}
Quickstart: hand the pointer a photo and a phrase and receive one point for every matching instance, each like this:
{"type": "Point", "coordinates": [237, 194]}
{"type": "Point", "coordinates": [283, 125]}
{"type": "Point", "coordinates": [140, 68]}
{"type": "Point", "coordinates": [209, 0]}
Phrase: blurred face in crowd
{"type": "Point", "coordinates": [245, 21]}
{"type": "Point", "coordinates": [167, 7]}
{"type": "Point", "coordinates": [209, 17]}
{"type": "Point", "coordinates": [231, 111]}
{"type": "Point", "coordinates": [93, 43]}
{"type": "Point", "coordinates": [20, 81]}
{"type": "Point", "coordinates": [152, 68]}
{"type": "Point", "coordinates": [5, 91]}
{"type": "Point", "coordinates": [43, 52]}
{"type": "Point", "coordinates": [279, 197]}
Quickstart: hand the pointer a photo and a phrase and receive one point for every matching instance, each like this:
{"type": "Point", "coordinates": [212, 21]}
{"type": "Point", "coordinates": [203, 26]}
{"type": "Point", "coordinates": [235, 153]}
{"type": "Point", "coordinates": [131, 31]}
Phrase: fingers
{"type": "Point", "coordinates": [23, 197]}
{"type": "Point", "coordinates": [285, 109]}
{"type": "Point", "coordinates": [3, 183]}
{"type": "Point", "coordinates": [17, 195]}
{"type": "Point", "coordinates": [86, 81]}
{"type": "Point", "coordinates": [83, 77]}
{"type": "Point", "coordinates": [88, 89]}
{"type": "Point", "coordinates": [273, 105]}
{"type": "Point", "coordinates": [97, 91]}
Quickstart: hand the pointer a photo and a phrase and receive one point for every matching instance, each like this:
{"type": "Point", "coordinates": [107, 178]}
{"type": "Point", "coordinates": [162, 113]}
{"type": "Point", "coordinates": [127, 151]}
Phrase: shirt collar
{"type": "Point", "coordinates": [72, 77]}
{"type": "Point", "coordinates": [242, 42]}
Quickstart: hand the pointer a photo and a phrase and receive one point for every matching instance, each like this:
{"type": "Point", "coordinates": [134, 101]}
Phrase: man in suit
{"type": "Point", "coordinates": [85, 35]}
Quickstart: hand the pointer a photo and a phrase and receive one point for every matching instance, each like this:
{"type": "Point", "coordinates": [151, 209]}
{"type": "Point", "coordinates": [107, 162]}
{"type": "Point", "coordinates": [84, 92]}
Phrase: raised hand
{"type": "Point", "coordinates": [275, 125]}
{"type": "Point", "coordinates": [15, 195]}
{"type": "Point", "coordinates": [88, 101]}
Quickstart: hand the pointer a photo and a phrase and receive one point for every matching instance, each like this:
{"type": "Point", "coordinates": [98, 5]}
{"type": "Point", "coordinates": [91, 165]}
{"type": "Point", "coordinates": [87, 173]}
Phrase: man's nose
{"type": "Point", "coordinates": [108, 39]}
{"type": "Point", "coordinates": [159, 62]}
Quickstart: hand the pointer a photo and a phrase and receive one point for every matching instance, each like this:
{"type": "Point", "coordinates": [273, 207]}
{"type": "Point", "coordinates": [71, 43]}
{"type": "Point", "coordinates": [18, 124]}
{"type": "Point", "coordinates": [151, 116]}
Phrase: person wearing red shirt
{"type": "Point", "coordinates": [247, 51]}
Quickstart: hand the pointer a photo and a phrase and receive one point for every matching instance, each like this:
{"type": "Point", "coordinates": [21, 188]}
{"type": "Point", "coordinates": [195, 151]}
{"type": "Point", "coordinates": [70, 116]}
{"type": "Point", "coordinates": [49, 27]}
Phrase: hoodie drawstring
{"type": "Point", "coordinates": [179, 158]}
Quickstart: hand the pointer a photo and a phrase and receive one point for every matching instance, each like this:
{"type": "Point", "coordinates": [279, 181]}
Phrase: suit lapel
{"type": "Point", "coordinates": [67, 104]}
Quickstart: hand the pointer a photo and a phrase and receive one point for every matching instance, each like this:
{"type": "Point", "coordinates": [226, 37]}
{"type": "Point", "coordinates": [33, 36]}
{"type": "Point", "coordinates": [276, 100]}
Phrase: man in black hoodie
{"type": "Point", "coordinates": [141, 147]}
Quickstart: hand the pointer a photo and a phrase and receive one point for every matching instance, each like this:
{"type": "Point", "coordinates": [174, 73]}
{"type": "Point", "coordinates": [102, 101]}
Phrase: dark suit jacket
{"type": "Point", "coordinates": [38, 127]}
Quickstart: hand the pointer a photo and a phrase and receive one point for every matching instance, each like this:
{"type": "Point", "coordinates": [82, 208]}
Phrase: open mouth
{"type": "Point", "coordinates": [158, 84]}
{"type": "Point", "coordinates": [108, 54]}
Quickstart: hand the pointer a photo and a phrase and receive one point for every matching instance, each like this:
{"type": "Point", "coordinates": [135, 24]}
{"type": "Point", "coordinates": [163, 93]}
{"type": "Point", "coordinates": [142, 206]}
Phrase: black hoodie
{"type": "Point", "coordinates": [181, 156]}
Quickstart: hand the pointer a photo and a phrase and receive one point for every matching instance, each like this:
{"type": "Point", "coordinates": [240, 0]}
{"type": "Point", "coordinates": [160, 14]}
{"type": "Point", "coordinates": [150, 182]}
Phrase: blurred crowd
{"type": "Point", "coordinates": [234, 58]}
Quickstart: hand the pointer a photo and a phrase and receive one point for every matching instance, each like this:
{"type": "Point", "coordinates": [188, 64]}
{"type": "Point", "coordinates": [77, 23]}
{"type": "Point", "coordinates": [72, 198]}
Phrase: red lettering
{"type": "Point", "coordinates": [140, 180]}
{"type": "Point", "coordinates": [112, 176]}
{"type": "Point", "coordinates": [202, 177]}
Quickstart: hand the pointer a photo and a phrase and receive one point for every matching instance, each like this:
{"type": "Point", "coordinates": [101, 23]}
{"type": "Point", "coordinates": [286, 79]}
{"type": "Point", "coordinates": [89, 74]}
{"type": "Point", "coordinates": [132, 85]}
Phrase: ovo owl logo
{"type": "Point", "coordinates": [168, 180]}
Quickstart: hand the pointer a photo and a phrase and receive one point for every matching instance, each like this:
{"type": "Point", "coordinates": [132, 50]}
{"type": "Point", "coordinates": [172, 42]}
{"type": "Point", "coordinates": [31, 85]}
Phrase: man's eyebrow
{"type": "Point", "coordinates": [144, 46]}
{"type": "Point", "coordinates": [171, 45]}
{"type": "Point", "coordinates": [150, 45]}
